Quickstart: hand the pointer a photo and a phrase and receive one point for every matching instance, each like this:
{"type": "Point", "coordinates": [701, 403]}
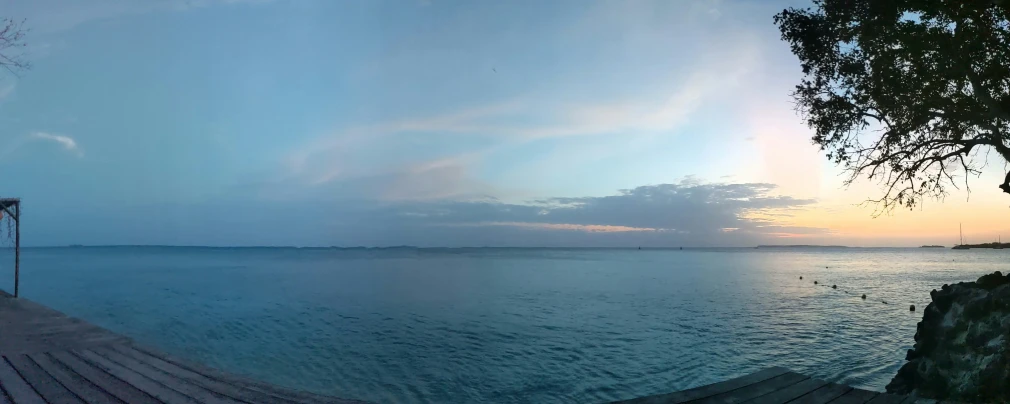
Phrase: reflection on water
{"type": "Point", "coordinates": [507, 325]}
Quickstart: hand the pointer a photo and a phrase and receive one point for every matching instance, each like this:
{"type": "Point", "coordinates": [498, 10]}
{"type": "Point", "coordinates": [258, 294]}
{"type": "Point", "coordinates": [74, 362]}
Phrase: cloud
{"type": "Point", "coordinates": [658, 96]}
{"type": "Point", "coordinates": [592, 228]}
{"type": "Point", "coordinates": [448, 178]}
{"type": "Point", "coordinates": [7, 87]}
{"type": "Point", "coordinates": [511, 123]}
{"type": "Point", "coordinates": [67, 142]}
{"type": "Point", "coordinates": [688, 213]}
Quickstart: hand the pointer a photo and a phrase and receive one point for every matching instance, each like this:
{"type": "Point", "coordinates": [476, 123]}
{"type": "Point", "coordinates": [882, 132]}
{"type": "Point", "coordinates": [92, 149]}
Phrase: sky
{"type": "Point", "coordinates": [432, 123]}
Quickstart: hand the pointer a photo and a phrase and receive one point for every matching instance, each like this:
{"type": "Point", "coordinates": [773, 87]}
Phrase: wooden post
{"type": "Point", "coordinates": [11, 207]}
{"type": "Point", "coordinates": [17, 247]}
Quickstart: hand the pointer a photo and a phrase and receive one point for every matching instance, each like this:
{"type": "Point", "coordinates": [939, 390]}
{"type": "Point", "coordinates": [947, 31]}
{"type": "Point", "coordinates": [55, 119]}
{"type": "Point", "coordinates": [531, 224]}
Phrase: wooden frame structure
{"type": "Point", "coordinates": [12, 208]}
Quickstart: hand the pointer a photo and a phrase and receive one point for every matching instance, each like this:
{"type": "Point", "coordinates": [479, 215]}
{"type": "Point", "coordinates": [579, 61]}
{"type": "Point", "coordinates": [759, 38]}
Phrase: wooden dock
{"type": "Point", "coordinates": [776, 386]}
{"type": "Point", "coordinates": [51, 358]}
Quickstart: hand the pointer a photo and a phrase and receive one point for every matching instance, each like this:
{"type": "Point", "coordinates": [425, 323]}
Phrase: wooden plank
{"type": "Point", "coordinates": [49, 388]}
{"type": "Point", "coordinates": [789, 393]}
{"type": "Point", "coordinates": [51, 361]}
{"type": "Point", "coordinates": [17, 388]}
{"type": "Point", "coordinates": [918, 400]}
{"type": "Point", "coordinates": [756, 390]}
{"type": "Point", "coordinates": [823, 395]}
{"type": "Point", "coordinates": [230, 390]}
{"type": "Point", "coordinates": [884, 398]}
{"type": "Point", "coordinates": [300, 396]}
{"type": "Point", "coordinates": [198, 393]}
{"type": "Point", "coordinates": [855, 396]}
{"type": "Point", "coordinates": [122, 390]}
{"type": "Point", "coordinates": [165, 394]}
{"type": "Point", "coordinates": [80, 386]}
{"type": "Point", "coordinates": [710, 389]}
{"type": "Point", "coordinates": [38, 345]}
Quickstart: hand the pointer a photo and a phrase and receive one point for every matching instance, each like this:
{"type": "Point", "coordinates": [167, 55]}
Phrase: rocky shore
{"type": "Point", "coordinates": [961, 345]}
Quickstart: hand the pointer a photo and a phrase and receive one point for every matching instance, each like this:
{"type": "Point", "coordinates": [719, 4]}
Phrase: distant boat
{"type": "Point", "coordinates": [931, 246]}
{"type": "Point", "coordinates": [999, 243]}
{"type": "Point", "coordinates": [961, 245]}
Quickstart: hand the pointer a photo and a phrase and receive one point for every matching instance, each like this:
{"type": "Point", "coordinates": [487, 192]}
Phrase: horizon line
{"type": "Point", "coordinates": [455, 247]}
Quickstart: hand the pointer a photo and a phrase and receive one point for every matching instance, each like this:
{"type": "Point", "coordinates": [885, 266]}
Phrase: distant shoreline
{"type": "Point", "coordinates": [810, 246]}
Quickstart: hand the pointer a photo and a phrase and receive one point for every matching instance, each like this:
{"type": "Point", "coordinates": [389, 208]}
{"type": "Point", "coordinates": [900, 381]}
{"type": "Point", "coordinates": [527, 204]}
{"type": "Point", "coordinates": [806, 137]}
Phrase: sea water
{"type": "Point", "coordinates": [506, 325]}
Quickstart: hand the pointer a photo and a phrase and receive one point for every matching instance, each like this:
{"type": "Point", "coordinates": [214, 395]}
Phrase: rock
{"type": "Point", "coordinates": [864, 296]}
{"type": "Point", "coordinates": [992, 280]}
{"type": "Point", "coordinates": [834, 286]}
{"type": "Point", "coordinates": [801, 277]}
{"type": "Point", "coordinates": [815, 282]}
{"type": "Point", "coordinates": [962, 344]}
{"type": "Point", "coordinates": [911, 308]}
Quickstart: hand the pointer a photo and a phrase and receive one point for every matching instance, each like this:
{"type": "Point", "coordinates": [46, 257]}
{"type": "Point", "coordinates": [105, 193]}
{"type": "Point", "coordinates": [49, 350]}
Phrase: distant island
{"type": "Point", "coordinates": [931, 246]}
{"type": "Point", "coordinates": [801, 246]}
{"type": "Point", "coordinates": [994, 245]}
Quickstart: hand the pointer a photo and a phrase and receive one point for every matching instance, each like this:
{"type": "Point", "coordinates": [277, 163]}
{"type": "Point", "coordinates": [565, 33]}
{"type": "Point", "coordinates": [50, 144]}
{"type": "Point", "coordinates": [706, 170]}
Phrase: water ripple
{"type": "Point", "coordinates": [508, 325]}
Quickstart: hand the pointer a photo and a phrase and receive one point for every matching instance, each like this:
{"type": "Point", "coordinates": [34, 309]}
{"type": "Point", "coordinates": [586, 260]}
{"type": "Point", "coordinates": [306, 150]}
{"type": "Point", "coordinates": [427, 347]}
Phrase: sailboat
{"type": "Point", "coordinates": [960, 246]}
{"type": "Point", "coordinates": [999, 243]}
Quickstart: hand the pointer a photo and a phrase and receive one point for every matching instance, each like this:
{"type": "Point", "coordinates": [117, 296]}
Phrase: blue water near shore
{"type": "Point", "coordinates": [506, 325]}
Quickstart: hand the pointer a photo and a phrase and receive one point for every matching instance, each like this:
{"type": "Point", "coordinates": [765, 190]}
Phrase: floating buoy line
{"type": "Point", "coordinates": [910, 307]}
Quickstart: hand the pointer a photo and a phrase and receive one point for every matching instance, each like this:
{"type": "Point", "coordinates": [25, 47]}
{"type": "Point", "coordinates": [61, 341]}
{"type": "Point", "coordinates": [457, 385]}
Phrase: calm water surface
{"type": "Point", "coordinates": [507, 325]}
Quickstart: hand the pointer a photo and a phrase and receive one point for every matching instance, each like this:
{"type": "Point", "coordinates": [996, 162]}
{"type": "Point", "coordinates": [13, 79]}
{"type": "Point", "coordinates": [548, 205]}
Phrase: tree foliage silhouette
{"type": "Point", "coordinates": [912, 93]}
{"type": "Point", "coordinates": [12, 45]}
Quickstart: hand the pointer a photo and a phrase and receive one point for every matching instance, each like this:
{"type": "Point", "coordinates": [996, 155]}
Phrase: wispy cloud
{"type": "Point", "coordinates": [67, 142]}
{"type": "Point", "coordinates": [584, 103]}
{"type": "Point", "coordinates": [54, 16]}
{"type": "Point", "coordinates": [512, 123]}
{"type": "Point", "coordinates": [7, 87]}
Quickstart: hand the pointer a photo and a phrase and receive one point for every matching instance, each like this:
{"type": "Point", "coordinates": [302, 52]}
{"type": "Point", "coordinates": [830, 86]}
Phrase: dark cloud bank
{"type": "Point", "coordinates": [667, 215]}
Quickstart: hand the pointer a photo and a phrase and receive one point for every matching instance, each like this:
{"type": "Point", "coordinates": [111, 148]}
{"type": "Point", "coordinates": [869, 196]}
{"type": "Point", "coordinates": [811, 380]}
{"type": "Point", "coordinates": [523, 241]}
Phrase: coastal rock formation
{"type": "Point", "coordinates": [962, 344]}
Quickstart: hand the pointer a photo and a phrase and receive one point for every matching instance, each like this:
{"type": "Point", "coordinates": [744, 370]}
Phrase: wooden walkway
{"type": "Point", "coordinates": [48, 357]}
{"type": "Point", "coordinates": [776, 386]}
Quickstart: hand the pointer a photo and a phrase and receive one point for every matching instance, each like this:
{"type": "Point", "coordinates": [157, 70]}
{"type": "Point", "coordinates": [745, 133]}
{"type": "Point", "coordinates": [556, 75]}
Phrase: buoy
{"type": "Point", "coordinates": [801, 277]}
{"type": "Point", "coordinates": [911, 308]}
{"type": "Point", "coordinates": [834, 286]}
{"type": "Point", "coordinates": [815, 282]}
{"type": "Point", "coordinates": [864, 296]}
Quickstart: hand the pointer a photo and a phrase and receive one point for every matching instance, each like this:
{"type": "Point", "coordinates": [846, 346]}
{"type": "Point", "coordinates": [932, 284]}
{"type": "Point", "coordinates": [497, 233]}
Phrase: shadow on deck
{"type": "Point", "coordinates": [49, 357]}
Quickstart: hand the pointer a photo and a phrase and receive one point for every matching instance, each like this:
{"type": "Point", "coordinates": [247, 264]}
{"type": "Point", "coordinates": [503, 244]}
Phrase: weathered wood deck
{"type": "Point", "coordinates": [776, 386]}
{"type": "Point", "coordinates": [49, 357]}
